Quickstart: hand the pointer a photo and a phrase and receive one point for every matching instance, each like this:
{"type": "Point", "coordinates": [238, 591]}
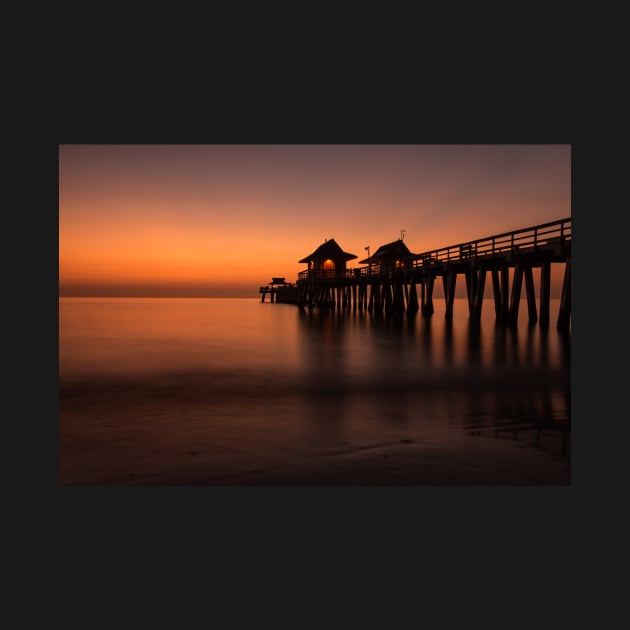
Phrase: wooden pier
{"type": "Point", "coordinates": [396, 281]}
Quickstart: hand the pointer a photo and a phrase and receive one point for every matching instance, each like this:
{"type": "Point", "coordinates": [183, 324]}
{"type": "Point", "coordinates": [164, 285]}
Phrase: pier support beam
{"type": "Point", "coordinates": [475, 286]}
{"type": "Point", "coordinates": [374, 297]}
{"type": "Point", "coordinates": [363, 295]}
{"type": "Point", "coordinates": [386, 296]}
{"type": "Point", "coordinates": [496, 292]}
{"type": "Point", "coordinates": [531, 294]}
{"type": "Point", "coordinates": [470, 278]}
{"type": "Point", "coordinates": [449, 280]}
{"type": "Point", "coordinates": [480, 286]}
{"type": "Point", "coordinates": [412, 301]}
{"type": "Point", "coordinates": [516, 294]}
{"type": "Point", "coordinates": [427, 296]}
{"type": "Point", "coordinates": [545, 292]}
{"type": "Point", "coordinates": [505, 293]}
{"type": "Point", "coordinates": [398, 300]}
{"type": "Point", "coordinates": [564, 315]}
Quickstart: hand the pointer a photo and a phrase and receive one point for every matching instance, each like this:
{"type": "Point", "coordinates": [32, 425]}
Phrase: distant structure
{"type": "Point", "coordinates": [280, 291]}
{"type": "Point", "coordinates": [328, 260]}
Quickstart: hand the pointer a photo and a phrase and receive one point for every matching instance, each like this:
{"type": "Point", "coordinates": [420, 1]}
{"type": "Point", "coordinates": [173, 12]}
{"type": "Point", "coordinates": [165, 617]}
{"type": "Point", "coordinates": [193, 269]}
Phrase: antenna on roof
{"type": "Point", "coordinates": [402, 235]}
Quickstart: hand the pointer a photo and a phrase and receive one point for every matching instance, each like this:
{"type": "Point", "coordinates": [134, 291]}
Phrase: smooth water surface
{"type": "Point", "coordinates": [234, 391]}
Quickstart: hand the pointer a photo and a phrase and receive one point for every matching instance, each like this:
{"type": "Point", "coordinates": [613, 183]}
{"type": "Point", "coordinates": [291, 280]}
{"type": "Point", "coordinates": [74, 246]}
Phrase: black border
{"type": "Point", "coordinates": [404, 526]}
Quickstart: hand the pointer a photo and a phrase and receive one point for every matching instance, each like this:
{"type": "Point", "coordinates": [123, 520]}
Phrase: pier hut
{"type": "Point", "coordinates": [392, 286]}
{"type": "Point", "coordinates": [326, 275]}
{"type": "Point", "coordinates": [390, 257]}
{"type": "Point", "coordinates": [328, 260]}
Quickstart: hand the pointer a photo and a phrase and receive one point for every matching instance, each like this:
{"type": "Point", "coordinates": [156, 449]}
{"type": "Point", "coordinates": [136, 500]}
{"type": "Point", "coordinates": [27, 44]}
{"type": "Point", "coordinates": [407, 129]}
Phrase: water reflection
{"type": "Point", "coordinates": [526, 395]}
{"type": "Point", "coordinates": [474, 343]}
{"type": "Point", "coordinates": [492, 380]}
{"type": "Point", "coordinates": [448, 343]}
{"type": "Point", "coordinates": [324, 381]}
{"type": "Point", "coordinates": [538, 417]}
{"type": "Point", "coordinates": [425, 338]}
{"type": "Point", "coordinates": [253, 384]}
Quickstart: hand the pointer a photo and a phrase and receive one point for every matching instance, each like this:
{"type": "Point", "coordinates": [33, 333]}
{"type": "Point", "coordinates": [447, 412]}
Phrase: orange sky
{"type": "Point", "coordinates": [221, 220]}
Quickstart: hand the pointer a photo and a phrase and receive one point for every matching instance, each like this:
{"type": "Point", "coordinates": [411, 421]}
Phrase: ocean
{"type": "Point", "coordinates": [212, 391]}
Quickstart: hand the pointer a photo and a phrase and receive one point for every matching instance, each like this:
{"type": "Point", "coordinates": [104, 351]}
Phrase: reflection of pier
{"type": "Point", "coordinates": [541, 433]}
{"type": "Point", "coordinates": [398, 281]}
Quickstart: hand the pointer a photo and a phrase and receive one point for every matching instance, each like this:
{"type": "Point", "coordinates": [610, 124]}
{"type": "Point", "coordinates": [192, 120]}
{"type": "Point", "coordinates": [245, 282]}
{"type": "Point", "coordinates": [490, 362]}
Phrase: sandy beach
{"type": "Point", "coordinates": [424, 464]}
{"type": "Point", "coordinates": [468, 460]}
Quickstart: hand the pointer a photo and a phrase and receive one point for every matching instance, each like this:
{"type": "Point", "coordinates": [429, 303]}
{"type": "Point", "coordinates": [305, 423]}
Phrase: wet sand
{"type": "Point", "coordinates": [182, 432]}
{"type": "Point", "coordinates": [425, 464]}
{"type": "Point", "coordinates": [456, 461]}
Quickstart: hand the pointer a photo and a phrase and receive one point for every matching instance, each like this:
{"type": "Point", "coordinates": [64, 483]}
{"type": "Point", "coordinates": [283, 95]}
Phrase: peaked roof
{"type": "Point", "coordinates": [390, 251]}
{"type": "Point", "coordinates": [328, 249]}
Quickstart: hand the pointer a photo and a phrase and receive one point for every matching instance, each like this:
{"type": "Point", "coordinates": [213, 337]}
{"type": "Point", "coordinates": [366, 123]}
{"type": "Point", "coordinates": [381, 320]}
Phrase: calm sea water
{"type": "Point", "coordinates": [236, 392]}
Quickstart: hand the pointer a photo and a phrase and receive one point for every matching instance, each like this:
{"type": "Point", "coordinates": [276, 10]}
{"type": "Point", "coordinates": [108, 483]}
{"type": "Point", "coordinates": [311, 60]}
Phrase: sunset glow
{"type": "Point", "coordinates": [221, 220]}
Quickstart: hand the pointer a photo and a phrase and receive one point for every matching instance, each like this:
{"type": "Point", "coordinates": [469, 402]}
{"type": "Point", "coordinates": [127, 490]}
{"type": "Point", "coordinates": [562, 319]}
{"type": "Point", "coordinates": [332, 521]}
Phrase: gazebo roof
{"type": "Point", "coordinates": [328, 249]}
{"type": "Point", "coordinates": [390, 251]}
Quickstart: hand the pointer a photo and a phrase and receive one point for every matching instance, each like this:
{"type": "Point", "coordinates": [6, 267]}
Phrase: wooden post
{"type": "Point", "coordinates": [412, 302]}
{"type": "Point", "coordinates": [480, 285]}
{"type": "Point", "coordinates": [386, 296]}
{"type": "Point", "coordinates": [531, 296]}
{"type": "Point", "coordinates": [505, 292]}
{"type": "Point", "coordinates": [496, 290]}
{"type": "Point", "coordinates": [470, 290]}
{"type": "Point", "coordinates": [545, 290]}
{"type": "Point", "coordinates": [398, 301]}
{"type": "Point", "coordinates": [516, 294]}
{"type": "Point", "coordinates": [564, 315]}
{"type": "Point", "coordinates": [449, 279]}
{"type": "Point", "coordinates": [427, 305]}
{"type": "Point", "coordinates": [374, 297]}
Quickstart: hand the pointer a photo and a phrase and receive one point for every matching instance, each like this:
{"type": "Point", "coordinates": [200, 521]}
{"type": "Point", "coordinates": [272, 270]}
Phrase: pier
{"type": "Point", "coordinates": [397, 281]}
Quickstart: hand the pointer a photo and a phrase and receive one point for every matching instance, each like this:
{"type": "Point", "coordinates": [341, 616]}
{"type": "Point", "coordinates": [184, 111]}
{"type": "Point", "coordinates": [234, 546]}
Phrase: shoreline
{"type": "Point", "coordinates": [461, 461]}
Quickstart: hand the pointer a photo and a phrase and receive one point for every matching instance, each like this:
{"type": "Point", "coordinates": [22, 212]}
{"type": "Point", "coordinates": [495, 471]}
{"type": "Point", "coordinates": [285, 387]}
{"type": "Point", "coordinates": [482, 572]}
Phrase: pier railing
{"type": "Point", "coordinates": [500, 245]}
{"type": "Point", "coordinates": [517, 241]}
